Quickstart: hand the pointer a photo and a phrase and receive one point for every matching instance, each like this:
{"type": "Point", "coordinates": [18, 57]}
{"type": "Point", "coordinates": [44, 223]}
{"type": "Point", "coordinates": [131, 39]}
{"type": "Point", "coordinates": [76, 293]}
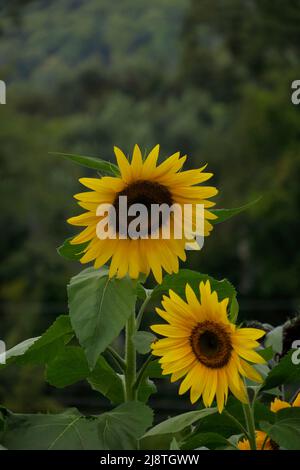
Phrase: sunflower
{"type": "Point", "coordinates": [263, 442]}
{"type": "Point", "coordinates": [144, 182]}
{"type": "Point", "coordinates": [205, 347]}
{"type": "Point", "coordinates": [278, 404]}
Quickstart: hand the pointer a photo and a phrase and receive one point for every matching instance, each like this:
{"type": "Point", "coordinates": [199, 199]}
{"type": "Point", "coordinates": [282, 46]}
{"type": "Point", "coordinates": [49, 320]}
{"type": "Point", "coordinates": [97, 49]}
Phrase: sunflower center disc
{"type": "Point", "coordinates": [211, 344]}
{"type": "Point", "coordinates": [146, 193]}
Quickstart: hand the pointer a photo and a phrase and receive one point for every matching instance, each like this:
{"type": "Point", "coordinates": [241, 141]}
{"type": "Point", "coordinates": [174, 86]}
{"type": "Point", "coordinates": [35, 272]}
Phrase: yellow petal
{"type": "Point", "coordinates": [277, 405]}
{"type": "Point", "coordinates": [123, 164]}
{"type": "Point", "coordinates": [296, 402]}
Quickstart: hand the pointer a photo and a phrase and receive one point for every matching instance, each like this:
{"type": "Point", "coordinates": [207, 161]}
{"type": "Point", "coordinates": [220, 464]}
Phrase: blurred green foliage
{"type": "Point", "coordinates": [209, 78]}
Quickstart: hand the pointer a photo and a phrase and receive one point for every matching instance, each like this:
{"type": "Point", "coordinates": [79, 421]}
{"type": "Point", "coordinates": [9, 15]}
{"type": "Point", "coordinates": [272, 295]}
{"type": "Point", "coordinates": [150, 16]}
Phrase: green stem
{"type": "Point", "coordinates": [130, 359]}
{"type": "Point", "coordinates": [141, 311]}
{"type": "Point", "coordinates": [237, 423]}
{"type": "Point", "coordinates": [116, 358]}
{"type": "Point", "coordinates": [249, 417]}
{"type": "Point", "coordinates": [141, 372]}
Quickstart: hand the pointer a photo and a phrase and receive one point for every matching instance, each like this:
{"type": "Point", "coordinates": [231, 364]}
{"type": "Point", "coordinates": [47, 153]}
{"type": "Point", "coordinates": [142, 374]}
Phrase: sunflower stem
{"type": "Point", "coordinates": [130, 359]}
{"type": "Point", "coordinates": [249, 417]}
{"type": "Point", "coordinates": [141, 372]}
{"type": "Point", "coordinates": [118, 360]}
{"type": "Point", "coordinates": [142, 311]}
{"type": "Point", "coordinates": [237, 423]}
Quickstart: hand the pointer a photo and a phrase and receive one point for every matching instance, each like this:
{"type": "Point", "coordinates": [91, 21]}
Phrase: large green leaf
{"type": "Point", "coordinates": [285, 372]}
{"type": "Point", "coordinates": [71, 252]}
{"type": "Point", "coordinates": [223, 423]}
{"type": "Point", "coordinates": [212, 440]}
{"type": "Point", "coordinates": [177, 283]}
{"type": "Point", "coordinates": [99, 308]}
{"type": "Point", "coordinates": [95, 163]}
{"type": "Point", "coordinates": [68, 367]}
{"type": "Point", "coordinates": [178, 423]}
{"type": "Point", "coordinates": [286, 429]}
{"type": "Point", "coordinates": [71, 365]}
{"type": "Point", "coordinates": [65, 431]}
{"type": "Point", "coordinates": [42, 349]}
{"type": "Point", "coordinates": [117, 429]}
{"type": "Point", "coordinates": [121, 428]}
{"type": "Point", "coordinates": [225, 214]}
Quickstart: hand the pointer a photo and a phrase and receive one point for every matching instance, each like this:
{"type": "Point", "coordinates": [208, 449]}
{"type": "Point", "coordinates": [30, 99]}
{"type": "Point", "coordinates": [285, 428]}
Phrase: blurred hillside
{"type": "Point", "coordinates": [209, 78]}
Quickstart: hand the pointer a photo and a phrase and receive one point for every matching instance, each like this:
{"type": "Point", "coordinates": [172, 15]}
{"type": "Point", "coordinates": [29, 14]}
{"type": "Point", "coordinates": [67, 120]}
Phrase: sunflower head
{"type": "Point", "coordinates": [263, 442]}
{"type": "Point", "coordinates": [204, 348]}
{"type": "Point", "coordinates": [142, 181]}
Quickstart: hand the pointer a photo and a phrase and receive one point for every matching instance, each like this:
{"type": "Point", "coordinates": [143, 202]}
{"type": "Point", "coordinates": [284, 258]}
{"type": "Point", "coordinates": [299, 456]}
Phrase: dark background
{"type": "Point", "coordinates": [210, 78]}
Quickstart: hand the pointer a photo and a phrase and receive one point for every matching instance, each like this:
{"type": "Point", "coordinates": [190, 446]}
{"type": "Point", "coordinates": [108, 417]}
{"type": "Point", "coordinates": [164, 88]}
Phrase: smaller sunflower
{"type": "Point", "coordinates": [263, 442]}
{"type": "Point", "coordinates": [203, 346]}
{"type": "Point", "coordinates": [278, 404]}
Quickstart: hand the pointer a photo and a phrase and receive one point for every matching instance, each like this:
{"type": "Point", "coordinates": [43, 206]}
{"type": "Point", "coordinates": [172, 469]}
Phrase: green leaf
{"type": "Point", "coordinates": [51, 342]}
{"type": "Point", "coordinates": [71, 366]}
{"type": "Point", "coordinates": [99, 308]}
{"type": "Point", "coordinates": [212, 440]}
{"type": "Point", "coordinates": [146, 389]}
{"type": "Point", "coordinates": [275, 339]}
{"type": "Point", "coordinates": [143, 340]}
{"type": "Point", "coordinates": [20, 349]}
{"type": "Point", "coordinates": [105, 380]}
{"type": "Point", "coordinates": [286, 429]}
{"type": "Point", "coordinates": [263, 413]}
{"type": "Point", "coordinates": [65, 431]}
{"type": "Point", "coordinates": [153, 370]}
{"type": "Point", "coordinates": [177, 283]}
{"type": "Point", "coordinates": [68, 367]}
{"type": "Point", "coordinates": [266, 353]}
{"type": "Point", "coordinates": [71, 252]}
{"type": "Point", "coordinates": [222, 422]}
{"type": "Point", "coordinates": [285, 372]}
{"type": "Point", "coordinates": [94, 163]}
{"type": "Point", "coordinates": [234, 310]}
{"type": "Point", "coordinates": [225, 214]}
{"type": "Point", "coordinates": [174, 445]}
{"type": "Point", "coordinates": [178, 423]}
{"type": "Point", "coordinates": [121, 428]}
{"type": "Point", "coordinates": [42, 349]}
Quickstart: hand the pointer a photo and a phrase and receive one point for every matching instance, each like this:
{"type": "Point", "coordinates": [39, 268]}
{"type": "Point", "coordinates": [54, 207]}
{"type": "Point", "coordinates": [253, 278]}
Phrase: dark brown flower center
{"type": "Point", "coordinates": [211, 344]}
{"type": "Point", "coordinates": [146, 193]}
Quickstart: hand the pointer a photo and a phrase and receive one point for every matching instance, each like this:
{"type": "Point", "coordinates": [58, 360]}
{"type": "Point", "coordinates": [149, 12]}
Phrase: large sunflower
{"type": "Point", "coordinates": [205, 347]}
{"type": "Point", "coordinates": [146, 183]}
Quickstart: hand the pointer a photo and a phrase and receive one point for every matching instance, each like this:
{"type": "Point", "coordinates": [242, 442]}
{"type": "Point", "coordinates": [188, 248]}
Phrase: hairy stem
{"type": "Point", "coordinates": [118, 360]}
{"type": "Point", "coordinates": [249, 417]}
{"type": "Point", "coordinates": [141, 372]}
{"type": "Point", "coordinates": [141, 311]}
{"type": "Point", "coordinates": [130, 359]}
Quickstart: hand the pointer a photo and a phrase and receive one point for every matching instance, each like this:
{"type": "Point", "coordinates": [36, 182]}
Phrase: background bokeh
{"type": "Point", "coordinates": [210, 78]}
